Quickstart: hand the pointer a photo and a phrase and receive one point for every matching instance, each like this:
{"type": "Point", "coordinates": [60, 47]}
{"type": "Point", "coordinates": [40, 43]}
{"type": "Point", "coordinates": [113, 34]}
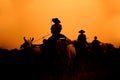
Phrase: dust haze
{"type": "Point", "coordinates": [32, 18]}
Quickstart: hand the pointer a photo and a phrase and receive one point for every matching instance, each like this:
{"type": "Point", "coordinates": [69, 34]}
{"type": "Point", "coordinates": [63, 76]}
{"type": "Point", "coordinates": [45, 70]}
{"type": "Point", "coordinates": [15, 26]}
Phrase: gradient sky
{"type": "Point", "coordinates": [32, 18]}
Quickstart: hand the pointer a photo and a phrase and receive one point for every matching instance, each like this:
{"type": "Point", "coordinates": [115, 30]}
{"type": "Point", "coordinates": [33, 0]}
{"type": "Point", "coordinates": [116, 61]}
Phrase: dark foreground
{"type": "Point", "coordinates": [15, 64]}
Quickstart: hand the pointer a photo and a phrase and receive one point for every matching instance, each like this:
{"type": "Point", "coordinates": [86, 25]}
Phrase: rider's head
{"type": "Point", "coordinates": [95, 37]}
{"type": "Point", "coordinates": [56, 20]}
{"type": "Point", "coordinates": [81, 31]}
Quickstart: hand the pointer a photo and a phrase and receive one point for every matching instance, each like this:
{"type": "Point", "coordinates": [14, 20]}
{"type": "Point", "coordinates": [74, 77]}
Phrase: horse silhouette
{"type": "Point", "coordinates": [66, 48]}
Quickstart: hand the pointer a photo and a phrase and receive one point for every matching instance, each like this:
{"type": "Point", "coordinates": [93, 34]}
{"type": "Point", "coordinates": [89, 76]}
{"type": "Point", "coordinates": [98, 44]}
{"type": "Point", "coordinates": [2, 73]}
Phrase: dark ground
{"type": "Point", "coordinates": [15, 64]}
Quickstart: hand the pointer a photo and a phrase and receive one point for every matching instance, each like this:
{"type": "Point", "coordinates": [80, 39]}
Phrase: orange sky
{"type": "Point", "coordinates": [32, 18]}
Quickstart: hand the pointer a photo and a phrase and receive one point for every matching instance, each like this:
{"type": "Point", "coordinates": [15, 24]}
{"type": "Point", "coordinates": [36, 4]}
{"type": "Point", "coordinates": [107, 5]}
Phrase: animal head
{"type": "Point", "coordinates": [27, 43]}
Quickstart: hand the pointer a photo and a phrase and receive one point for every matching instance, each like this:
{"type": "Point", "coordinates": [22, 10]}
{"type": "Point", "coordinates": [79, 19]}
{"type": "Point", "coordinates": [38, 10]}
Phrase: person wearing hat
{"type": "Point", "coordinates": [55, 30]}
{"type": "Point", "coordinates": [56, 27]}
{"type": "Point", "coordinates": [82, 46]}
{"type": "Point", "coordinates": [82, 37]}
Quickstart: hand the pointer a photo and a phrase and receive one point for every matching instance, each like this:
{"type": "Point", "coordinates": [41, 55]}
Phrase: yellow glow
{"type": "Point", "coordinates": [32, 18]}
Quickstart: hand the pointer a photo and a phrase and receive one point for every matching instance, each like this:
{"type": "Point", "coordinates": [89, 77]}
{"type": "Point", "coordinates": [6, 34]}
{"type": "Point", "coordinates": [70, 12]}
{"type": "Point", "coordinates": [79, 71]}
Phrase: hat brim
{"type": "Point", "coordinates": [56, 20]}
{"type": "Point", "coordinates": [81, 31]}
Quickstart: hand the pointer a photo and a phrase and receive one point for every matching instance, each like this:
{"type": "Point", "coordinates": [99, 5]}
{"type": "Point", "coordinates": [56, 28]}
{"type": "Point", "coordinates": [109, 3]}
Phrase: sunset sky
{"type": "Point", "coordinates": [32, 18]}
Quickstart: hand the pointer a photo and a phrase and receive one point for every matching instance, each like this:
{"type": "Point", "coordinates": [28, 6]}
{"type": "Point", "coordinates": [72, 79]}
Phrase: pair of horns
{"type": "Point", "coordinates": [30, 38]}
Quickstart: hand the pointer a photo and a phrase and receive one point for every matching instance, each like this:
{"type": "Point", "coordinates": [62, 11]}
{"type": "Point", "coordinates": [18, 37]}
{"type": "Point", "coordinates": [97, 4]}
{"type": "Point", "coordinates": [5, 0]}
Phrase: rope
{"type": "Point", "coordinates": [42, 37]}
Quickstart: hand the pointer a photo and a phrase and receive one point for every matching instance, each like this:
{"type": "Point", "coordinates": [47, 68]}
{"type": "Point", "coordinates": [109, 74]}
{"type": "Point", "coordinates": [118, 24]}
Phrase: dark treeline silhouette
{"type": "Point", "coordinates": [59, 58]}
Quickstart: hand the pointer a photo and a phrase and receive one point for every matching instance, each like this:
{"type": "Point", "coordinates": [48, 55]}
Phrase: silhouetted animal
{"type": "Point", "coordinates": [66, 48]}
{"type": "Point", "coordinates": [28, 46]}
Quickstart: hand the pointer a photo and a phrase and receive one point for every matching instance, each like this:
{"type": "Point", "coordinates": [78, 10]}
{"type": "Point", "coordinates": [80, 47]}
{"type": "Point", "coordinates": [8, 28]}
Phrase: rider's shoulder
{"type": "Point", "coordinates": [62, 35]}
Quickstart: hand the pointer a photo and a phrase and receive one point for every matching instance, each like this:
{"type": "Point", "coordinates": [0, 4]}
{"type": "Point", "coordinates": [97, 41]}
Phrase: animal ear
{"type": "Point", "coordinates": [24, 39]}
{"type": "Point", "coordinates": [32, 38]}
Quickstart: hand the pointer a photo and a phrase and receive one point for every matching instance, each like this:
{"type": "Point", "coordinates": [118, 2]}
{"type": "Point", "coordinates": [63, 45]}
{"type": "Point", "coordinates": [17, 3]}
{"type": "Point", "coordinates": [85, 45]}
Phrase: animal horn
{"type": "Point", "coordinates": [24, 38]}
{"type": "Point", "coordinates": [32, 38]}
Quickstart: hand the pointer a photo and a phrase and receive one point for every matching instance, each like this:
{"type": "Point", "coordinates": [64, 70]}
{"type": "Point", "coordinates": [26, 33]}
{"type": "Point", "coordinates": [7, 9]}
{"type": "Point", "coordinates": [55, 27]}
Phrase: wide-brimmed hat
{"type": "Point", "coordinates": [81, 31]}
{"type": "Point", "coordinates": [56, 20]}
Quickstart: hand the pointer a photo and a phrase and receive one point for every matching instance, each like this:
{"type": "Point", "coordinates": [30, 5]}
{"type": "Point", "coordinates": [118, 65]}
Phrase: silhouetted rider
{"type": "Point", "coordinates": [82, 43]}
{"type": "Point", "coordinates": [95, 42]}
{"type": "Point", "coordinates": [82, 38]}
{"type": "Point", "coordinates": [97, 48]}
{"type": "Point", "coordinates": [55, 30]}
{"type": "Point", "coordinates": [52, 40]}
{"type": "Point", "coordinates": [56, 27]}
